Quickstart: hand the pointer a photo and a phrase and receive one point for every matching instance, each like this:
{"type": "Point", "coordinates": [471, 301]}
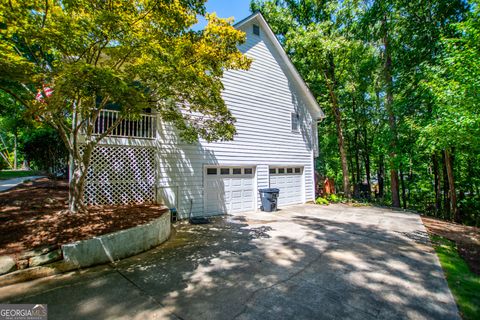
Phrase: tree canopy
{"type": "Point", "coordinates": [399, 83]}
{"type": "Point", "coordinates": [66, 61]}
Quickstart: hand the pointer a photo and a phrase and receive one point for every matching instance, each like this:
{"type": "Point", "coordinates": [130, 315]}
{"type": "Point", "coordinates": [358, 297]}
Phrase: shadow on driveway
{"type": "Point", "coordinates": [303, 263]}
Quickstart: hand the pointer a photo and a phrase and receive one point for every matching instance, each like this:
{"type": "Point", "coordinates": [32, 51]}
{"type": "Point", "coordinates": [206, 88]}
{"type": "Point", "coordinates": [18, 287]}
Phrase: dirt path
{"type": "Point", "coordinates": [467, 239]}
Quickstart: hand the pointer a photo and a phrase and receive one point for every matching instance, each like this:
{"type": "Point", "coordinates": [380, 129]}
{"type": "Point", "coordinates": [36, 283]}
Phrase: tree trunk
{"type": "Point", "coordinates": [446, 193]}
{"type": "Point", "coordinates": [438, 190]}
{"type": "Point", "coordinates": [451, 186]}
{"type": "Point", "coordinates": [352, 172]}
{"type": "Point", "coordinates": [358, 178]}
{"type": "Point", "coordinates": [331, 83]}
{"type": "Point", "coordinates": [78, 178]}
{"type": "Point", "coordinates": [15, 147]}
{"type": "Point", "coordinates": [367, 163]}
{"type": "Point", "coordinates": [404, 193]}
{"type": "Point", "coordinates": [391, 117]}
{"type": "Point", "coordinates": [381, 178]}
{"type": "Point", "coordinates": [343, 156]}
{"type": "Point", "coordinates": [357, 159]}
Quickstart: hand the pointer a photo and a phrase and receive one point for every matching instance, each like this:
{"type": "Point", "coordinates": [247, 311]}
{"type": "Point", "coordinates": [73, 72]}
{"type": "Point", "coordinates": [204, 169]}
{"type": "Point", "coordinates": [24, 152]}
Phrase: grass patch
{"type": "Point", "coordinates": [464, 284]}
{"type": "Point", "coordinates": [11, 174]}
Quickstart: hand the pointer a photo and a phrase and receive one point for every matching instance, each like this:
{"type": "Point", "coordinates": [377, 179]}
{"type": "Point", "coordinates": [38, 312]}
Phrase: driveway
{"type": "Point", "coordinates": [12, 183]}
{"type": "Point", "coordinates": [304, 262]}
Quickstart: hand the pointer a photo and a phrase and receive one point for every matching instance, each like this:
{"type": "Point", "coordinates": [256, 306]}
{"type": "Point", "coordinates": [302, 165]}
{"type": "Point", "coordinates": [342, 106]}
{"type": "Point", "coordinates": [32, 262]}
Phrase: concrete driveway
{"type": "Point", "coordinates": [304, 262]}
{"type": "Point", "coordinates": [12, 183]}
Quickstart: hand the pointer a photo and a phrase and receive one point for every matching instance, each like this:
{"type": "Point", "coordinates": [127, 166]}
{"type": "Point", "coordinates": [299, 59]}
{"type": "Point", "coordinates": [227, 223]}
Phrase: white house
{"type": "Point", "coordinates": [275, 145]}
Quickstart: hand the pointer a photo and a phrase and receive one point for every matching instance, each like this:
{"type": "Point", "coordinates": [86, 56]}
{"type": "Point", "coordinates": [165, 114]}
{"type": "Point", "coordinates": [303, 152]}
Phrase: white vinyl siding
{"type": "Point", "coordinates": [262, 101]}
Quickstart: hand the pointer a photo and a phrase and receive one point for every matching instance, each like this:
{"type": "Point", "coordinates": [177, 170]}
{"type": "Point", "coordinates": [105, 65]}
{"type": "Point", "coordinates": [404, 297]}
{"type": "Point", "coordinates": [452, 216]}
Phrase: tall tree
{"type": "Point", "coordinates": [454, 84]}
{"type": "Point", "coordinates": [66, 61]}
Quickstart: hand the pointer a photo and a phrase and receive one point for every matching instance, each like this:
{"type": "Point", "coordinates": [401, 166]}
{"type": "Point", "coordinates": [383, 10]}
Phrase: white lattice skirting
{"type": "Point", "coordinates": [121, 175]}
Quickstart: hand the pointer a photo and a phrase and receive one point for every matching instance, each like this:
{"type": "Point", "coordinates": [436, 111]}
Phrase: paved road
{"type": "Point", "coordinates": [304, 262]}
{"type": "Point", "coordinates": [11, 183]}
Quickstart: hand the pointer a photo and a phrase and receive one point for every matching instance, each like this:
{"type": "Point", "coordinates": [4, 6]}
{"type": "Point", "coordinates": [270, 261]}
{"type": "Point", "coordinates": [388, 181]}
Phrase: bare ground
{"type": "Point", "coordinates": [467, 239]}
{"type": "Point", "coordinates": [34, 214]}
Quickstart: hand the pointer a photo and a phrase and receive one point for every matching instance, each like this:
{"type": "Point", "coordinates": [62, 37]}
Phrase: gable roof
{"type": "Point", "coordinates": [312, 103]}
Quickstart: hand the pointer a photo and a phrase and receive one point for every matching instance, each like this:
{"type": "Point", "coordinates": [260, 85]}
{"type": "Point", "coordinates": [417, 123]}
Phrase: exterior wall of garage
{"type": "Point", "coordinates": [262, 100]}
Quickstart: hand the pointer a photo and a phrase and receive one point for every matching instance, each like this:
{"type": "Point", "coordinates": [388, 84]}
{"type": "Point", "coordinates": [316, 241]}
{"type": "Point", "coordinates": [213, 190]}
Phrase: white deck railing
{"type": "Point", "coordinates": [144, 128]}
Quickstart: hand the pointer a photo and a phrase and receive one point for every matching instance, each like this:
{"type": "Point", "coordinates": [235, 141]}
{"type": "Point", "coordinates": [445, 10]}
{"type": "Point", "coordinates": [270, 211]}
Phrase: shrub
{"type": "Point", "coordinates": [45, 150]}
{"type": "Point", "coordinates": [3, 164]}
{"type": "Point", "coordinates": [322, 201]}
{"type": "Point", "coordinates": [334, 198]}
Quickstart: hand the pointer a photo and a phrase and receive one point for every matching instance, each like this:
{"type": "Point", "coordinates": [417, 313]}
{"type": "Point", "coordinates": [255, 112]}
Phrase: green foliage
{"type": "Point", "coordinates": [45, 151]}
{"type": "Point", "coordinates": [134, 54]}
{"type": "Point", "coordinates": [11, 174]}
{"type": "Point", "coordinates": [66, 61]}
{"type": "Point", "coordinates": [464, 284]}
{"type": "Point", "coordinates": [454, 85]}
{"type": "Point", "coordinates": [3, 164]}
{"type": "Point", "coordinates": [333, 198]}
{"type": "Point", "coordinates": [322, 201]}
{"type": "Point", "coordinates": [434, 49]}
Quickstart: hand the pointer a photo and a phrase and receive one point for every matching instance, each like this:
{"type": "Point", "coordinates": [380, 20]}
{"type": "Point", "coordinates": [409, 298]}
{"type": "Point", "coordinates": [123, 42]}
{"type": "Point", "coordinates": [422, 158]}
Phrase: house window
{"type": "Point", "coordinates": [212, 171]}
{"type": "Point", "coordinates": [256, 30]}
{"type": "Point", "coordinates": [248, 170]}
{"type": "Point", "coordinates": [298, 170]}
{"type": "Point", "coordinates": [273, 171]}
{"type": "Point", "coordinates": [289, 170]}
{"type": "Point", "coordinates": [281, 170]}
{"type": "Point", "coordinates": [295, 121]}
{"type": "Point", "coordinates": [225, 171]}
{"type": "Point", "coordinates": [237, 171]}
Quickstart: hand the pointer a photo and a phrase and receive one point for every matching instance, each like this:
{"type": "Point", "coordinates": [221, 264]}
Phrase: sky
{"type": "Point", "coordinates": [238, 9]}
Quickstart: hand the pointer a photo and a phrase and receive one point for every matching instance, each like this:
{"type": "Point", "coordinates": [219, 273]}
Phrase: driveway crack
{"type": "Point", "coordinates": [252, 295]}
{"type": "Point", "coordinates": [144, 292]}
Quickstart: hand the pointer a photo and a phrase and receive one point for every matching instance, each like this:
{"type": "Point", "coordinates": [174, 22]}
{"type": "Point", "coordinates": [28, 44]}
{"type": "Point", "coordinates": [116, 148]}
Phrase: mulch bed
{"type": "Point", "coordinates": [467, 239]}
{"type": "Point", "coordinates": [34, 214]}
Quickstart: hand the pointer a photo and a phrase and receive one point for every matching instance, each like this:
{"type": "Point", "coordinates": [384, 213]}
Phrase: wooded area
{"type": "Point", "coordinates": [399, 81]}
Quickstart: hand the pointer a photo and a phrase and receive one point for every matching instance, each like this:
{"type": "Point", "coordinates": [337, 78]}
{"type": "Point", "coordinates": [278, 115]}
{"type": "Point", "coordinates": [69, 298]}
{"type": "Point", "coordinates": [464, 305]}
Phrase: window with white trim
{"type": "Point", "coordinates": [211, 171]}
{"type": "Point", "coordinates": [286, 170]}
{"type": "Point", "coordinates": [295, 118]}
{"type": "Point", "coordinates": [256, 30]}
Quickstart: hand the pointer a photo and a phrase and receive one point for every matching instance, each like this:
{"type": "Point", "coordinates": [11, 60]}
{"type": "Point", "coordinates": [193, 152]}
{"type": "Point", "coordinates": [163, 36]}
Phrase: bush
{"type": "Point", "coordinates": [3, 164]}
{"type": "Point", "coordinates": [45, 150]}
{"type": "Point", "coordinates": [334, 198]}
{"type": "Point", "coordinates": [322, 201]}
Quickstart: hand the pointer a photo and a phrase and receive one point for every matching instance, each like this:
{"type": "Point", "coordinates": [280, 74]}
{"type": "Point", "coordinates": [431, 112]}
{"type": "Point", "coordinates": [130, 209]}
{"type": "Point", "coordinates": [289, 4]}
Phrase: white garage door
{"type": "Point", "coordinates": [289, 181]}
{"type": "Point", "coordinates": [228, 189]}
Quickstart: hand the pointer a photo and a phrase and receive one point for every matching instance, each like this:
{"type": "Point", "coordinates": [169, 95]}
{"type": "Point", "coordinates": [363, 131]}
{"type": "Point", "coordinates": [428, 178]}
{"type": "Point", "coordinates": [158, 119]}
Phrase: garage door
{"type": "Point", "coordinates": [289, 181]}
{"type": "Point", "coordinates": [228, 189]}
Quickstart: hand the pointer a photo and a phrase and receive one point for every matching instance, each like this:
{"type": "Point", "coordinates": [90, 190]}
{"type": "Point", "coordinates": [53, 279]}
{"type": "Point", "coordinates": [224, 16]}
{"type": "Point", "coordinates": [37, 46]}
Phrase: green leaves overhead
{"type": "Point", "coordinates": [66, 61]}
{"type": "Point", "coordinates": [83, 50]}
{"type": "Point", "coordinates": [431, 120]}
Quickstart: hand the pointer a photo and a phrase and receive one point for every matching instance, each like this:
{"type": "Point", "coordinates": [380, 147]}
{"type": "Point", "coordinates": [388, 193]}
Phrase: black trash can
{"type": "Point", "coordinates": [269, 198]}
